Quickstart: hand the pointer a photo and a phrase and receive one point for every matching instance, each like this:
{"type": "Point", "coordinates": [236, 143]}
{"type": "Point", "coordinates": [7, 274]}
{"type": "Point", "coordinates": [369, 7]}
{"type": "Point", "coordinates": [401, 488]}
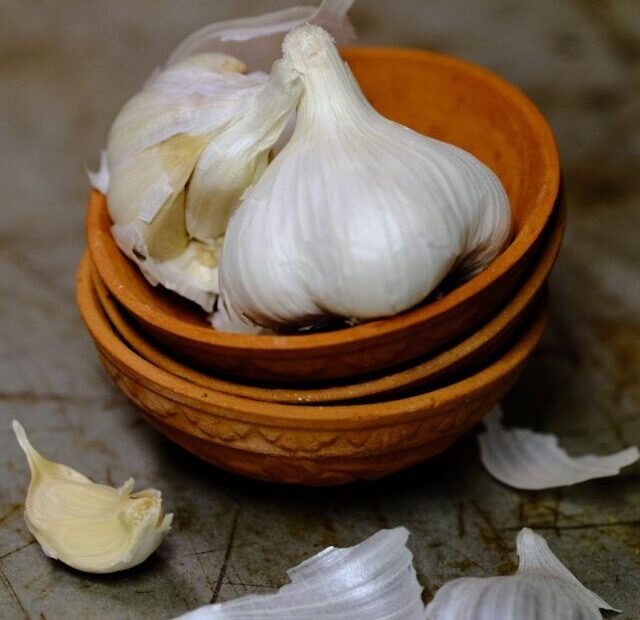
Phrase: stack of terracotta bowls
{"type": "Point", "coordinates": [360, 402]}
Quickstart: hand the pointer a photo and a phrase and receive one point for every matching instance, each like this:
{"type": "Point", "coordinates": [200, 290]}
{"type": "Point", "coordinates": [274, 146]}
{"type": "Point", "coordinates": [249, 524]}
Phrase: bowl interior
{"type": "Point", "coordinates": [437, 95]}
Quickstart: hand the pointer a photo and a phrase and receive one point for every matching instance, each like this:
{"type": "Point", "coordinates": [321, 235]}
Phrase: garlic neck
{"type": "Point", "coordinates": [274, 103]}
{"type": "Point", "coordinates": [331, 91]}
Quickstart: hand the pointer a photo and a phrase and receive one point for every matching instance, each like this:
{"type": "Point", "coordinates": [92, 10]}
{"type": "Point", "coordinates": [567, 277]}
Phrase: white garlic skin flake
{"type": "Point", "coordinates": [357, 216]}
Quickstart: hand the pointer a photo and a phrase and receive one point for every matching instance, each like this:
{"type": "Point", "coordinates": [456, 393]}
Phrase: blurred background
{"type": "Point", "coordinates": [67, 66]}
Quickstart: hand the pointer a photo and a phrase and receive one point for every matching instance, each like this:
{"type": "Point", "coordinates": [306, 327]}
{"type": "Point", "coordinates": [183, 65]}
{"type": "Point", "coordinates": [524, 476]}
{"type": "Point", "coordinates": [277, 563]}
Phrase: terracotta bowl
{"type": "Point", "coordinates": [312, 445]}
{"type": "Point", "coordinates": [472, 352]}
{"type": "Point", "coordinates": [439, 96]}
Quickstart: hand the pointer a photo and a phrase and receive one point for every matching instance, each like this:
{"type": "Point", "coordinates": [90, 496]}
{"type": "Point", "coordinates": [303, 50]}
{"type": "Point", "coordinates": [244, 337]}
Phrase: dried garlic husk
{"type": "Point", "coordinates": [526, 460]}
{"type": "Point", "coordinates": [357, 216]}
{"type": "Point", "coordinates": [542, 588]}
{"type": "Point", "coordinates": [258, 40]}
{"type": "Point", "coordinates": [373, 580]}
{"type": "Point", "coordinates": [91, 527]}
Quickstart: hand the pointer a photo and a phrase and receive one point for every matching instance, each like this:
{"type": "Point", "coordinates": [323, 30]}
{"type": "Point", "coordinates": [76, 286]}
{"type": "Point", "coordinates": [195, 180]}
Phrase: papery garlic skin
{"type": "Point", "coordinates": [523, 459]}
{"type": "Point", "coordinates": [357, 216]}
{"type": "Point", "coordinates": [542, 588]}
{"type": "Point", "coordinates": [258, 40]}
{"type": "Point", "coordinates": [196, 96]}
{"type": "Point", "coordinates": [91, 527]}
{"type": "Point", "coordinates": [239, 154]}
{"type": "Point", "coordinates": [369, 581]}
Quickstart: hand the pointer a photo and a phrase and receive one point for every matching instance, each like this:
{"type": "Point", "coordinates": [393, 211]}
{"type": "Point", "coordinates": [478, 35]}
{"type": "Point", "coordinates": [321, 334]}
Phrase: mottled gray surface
{"type": "Point", "coordinates": [65, 68]}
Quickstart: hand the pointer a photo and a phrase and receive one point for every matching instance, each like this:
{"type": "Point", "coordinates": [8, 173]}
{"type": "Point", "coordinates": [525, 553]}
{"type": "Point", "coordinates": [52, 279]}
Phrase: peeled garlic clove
{"type": "Point", "coordinates": [375, 579]}
{"type": "Point", "coordinates": [90, 527]}
{"type": "Point", "coordinates": [526, 460]}
{"type": "Point", "coordinates": [258, 40]}
{"type": "Point", "coordinates": [236, 158]}
{"type": "Point", "coordinates": [541, 588]}
{"type": "Point", "coordinates": [357, 216]}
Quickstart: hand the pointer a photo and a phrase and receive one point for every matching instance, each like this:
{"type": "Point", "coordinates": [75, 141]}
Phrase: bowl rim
{"type": "Point", "coordinates": [310, 417]}
{"type": "Point", "coordinates": [385, 385]}
{"type": "Point", "coordinates": [102, 246]}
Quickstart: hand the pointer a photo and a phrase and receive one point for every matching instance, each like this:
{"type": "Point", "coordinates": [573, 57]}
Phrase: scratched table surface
{"type": "Point", "coordinates": [66, 66]}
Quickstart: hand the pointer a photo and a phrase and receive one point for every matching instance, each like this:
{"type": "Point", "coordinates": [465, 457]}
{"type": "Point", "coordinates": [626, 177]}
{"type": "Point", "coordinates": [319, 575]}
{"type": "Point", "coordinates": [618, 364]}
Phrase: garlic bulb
{"type": "Point", "coordinates": [226, 124]}
{"type": "Point", "coordinates": [541, 589]}
{"type": "Point", "coordinates": [357, 216]}
{"type": "Point", "coordinates": [181, 153]}
{"type": "Point", "coordinates": [373, 580]}
{"type": "Point", "coordinates": [527, 460]}
{"type": "Point", "coordinates": [90, 527]}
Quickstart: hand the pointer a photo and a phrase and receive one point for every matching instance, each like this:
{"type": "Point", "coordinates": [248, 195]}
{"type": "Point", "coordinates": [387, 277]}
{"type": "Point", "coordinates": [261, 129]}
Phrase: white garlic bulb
{"type": "Point", "coordinates": [357, 216]}
{"type": "Point", "coordinates": [91, 527]}
{"type": "Point", "coordinates": [170, 202]}
{"type": "Point", "coordinates": [181, 153]}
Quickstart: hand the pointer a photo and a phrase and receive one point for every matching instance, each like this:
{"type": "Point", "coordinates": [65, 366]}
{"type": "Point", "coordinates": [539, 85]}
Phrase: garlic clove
{"type": "Point", "coordinates": [375, 579]}
{"type": "Point", "coordinates": [194, 97]}
{"type": "Point", "coordinates": [523, 459]}
{"type": "Point", "coordinates": [153, 148]}
{"type": "Point", "coordinates": [236, 158]}
{"type": "Point", "coordinates": [541, 588]}
{"type": "Point", "coordinates": [166, 235]}
{"type": "Point", "coordinates": [357, 216]}
{"type": "Point", "coordinates": [212, 61]}
{"type": "Point", "coordinates": [91, 527]}
{"type": "Point", "coordinates": [258, 40]}
{"type": "Point", "coordinates": [149, 191]}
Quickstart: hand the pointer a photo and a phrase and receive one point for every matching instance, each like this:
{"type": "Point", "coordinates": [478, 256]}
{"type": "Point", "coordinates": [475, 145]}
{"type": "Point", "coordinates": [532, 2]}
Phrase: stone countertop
{"type": "Point", "coordinates": [65, 68]}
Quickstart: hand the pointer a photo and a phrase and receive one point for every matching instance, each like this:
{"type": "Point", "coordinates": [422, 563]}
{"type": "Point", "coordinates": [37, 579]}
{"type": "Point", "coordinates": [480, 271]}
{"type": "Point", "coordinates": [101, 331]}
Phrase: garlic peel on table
{"type": "Point", "coordinates": [375, 579]}
{"type": "Point", "coordinates": [357, 216]}
{"type": "Point", "coordinates": [524, 459]}
{"type": "Point", "coordinates": [541, 588]}
{"type": "Point", "coordinates": [91, 527]}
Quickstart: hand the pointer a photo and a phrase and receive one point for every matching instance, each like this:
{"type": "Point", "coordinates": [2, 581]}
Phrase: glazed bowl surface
{"type": "Point", "coordinates": [439, 96]}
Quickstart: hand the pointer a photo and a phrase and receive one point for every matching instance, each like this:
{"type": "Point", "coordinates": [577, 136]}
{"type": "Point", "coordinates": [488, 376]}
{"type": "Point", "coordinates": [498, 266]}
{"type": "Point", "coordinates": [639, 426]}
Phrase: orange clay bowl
{"type": "Point", "coordinates": [313, 445]}
{"type": "Point", "coordinates": [439, 96]}
{"type": "Point", "coordinates": [472, 352]}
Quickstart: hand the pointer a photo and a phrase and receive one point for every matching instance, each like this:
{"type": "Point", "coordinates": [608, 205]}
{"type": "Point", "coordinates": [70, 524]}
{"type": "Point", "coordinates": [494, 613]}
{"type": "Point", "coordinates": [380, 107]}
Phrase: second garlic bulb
{"type": "Point", "coordinates": [358, 216]}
